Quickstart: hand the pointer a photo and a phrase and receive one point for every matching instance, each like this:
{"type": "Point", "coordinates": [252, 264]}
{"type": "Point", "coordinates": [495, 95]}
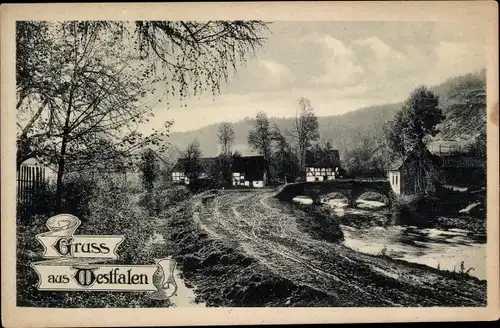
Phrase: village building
{"type": "Point", "coordinates": [446, 146]}
{"type": "Point", "coordinates": [462, 170]}
{"type": "Point", "coordinates": [322, 167]}
{"type": "Point", "coordinates": [401, 173]}
{"type": "Point", "coordinates": [246, 171]}
{"type": "Point", "coordinates": [249, 171]}
{"type": "Point", "coordinates": [178, 171]}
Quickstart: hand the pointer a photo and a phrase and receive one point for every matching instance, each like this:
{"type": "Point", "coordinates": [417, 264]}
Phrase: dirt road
{"type": "Point", "coordinates": [267, 230]}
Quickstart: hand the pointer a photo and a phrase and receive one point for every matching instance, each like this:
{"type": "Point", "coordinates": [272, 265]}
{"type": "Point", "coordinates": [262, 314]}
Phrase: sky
{"type": "Point", "coordinates": [338, 66]}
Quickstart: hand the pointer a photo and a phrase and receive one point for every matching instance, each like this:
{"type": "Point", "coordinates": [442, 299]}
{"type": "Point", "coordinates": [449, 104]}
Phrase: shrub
{"type": "Point", "coordinates": [111, 210]}
{"type": "Point", "coordinates": [160, 199]}
{"type": "Point", "coordinates": [77, 193]}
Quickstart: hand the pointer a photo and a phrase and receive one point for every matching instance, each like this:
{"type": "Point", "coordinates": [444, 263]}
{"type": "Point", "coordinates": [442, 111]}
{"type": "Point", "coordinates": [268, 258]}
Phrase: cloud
{"type": "Point", "coordinates": [379, 58]}
{"type": "Point", "coordinates": [340, 66]}
{"type": "Point", "coordinates": [455, 58]}
{"type": "Point", "coordinates": [276, 74]}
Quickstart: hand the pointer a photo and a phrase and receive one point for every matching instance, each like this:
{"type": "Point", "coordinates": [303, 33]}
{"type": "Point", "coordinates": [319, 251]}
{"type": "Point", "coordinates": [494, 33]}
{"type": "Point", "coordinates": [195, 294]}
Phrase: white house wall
{"type": "Point", "coordinates": [239, 180]}
{"type": "Point", "coordinates": [318, 174]}
{"type": "Point", "coordinates": [395, 181]}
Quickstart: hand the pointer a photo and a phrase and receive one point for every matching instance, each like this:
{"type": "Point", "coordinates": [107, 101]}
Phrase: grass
{"type": "Point", "coordinates": [112, 209]}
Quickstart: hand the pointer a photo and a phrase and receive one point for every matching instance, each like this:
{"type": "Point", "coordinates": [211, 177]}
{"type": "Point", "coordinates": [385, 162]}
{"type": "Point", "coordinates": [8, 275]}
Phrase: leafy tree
{"type": "Point", "coordinates": [215, 172]}
{"type": "Point", "coordinates": [80, 84]}
{"type": "Point", "coordinates": [191, 162]}
{"type": "Point", "coordinates": [190, 57]}
{"type": "Point", "coordinates": [260, 139]}
{"type": "Point", "coordinates": [305, 130]}
{"type": "Point", "coordinates": [93, 102]}
{"type": "Point", "coordinates": [150, 169]}
{"type": "Point", "coordinates": [285, 165]}
{"type": "Point", "coordinates": [417, 120]}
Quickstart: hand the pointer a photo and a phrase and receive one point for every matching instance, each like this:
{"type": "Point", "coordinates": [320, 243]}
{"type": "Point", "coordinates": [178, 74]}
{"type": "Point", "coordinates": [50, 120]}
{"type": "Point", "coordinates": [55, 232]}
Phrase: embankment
{"type": "Point", "coordinates": [224, 275]}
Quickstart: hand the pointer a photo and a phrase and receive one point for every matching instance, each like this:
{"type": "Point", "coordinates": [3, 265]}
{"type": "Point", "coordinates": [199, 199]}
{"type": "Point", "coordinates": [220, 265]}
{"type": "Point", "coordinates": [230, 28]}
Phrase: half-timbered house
{"type": "Point", "coordinates": [322, 166]}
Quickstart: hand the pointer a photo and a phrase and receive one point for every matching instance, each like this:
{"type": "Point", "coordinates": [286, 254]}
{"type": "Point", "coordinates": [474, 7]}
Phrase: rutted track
{"type": "Point", "coordinates": [266, 230]}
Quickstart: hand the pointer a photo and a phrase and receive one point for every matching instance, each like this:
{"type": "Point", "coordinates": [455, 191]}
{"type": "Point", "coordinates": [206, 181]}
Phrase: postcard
{"type": "Point", "coordinates": [249, 163]}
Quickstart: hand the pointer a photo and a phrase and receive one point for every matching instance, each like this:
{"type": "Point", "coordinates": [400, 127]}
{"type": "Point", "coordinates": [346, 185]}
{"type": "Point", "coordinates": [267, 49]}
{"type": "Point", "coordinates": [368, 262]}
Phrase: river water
{"type": "Point", "coordinates": [452, 249]}
{"type": "Point", "coordinates": [368, 232]}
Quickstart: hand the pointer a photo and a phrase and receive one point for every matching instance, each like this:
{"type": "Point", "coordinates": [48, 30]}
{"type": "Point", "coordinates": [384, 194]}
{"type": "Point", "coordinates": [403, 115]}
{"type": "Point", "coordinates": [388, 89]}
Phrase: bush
{"type": "Point", "coordinates": [417, 210]}
{"type": "Point", "coordinates": [77, 193]}
{"type": "Point", "coordinates": [160, 199]}
{"type": "Point", "coordinates": [111, 210]}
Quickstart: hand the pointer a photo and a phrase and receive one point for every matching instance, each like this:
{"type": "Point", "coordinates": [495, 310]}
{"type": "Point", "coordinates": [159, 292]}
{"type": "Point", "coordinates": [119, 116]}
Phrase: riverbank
{"type": "Point", "coordinates": [247, 249]}
{"type": "Point", "coordinates": [447, 209]}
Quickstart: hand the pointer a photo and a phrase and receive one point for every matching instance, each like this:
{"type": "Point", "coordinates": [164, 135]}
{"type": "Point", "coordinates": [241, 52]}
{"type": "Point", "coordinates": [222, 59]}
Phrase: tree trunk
{"type": "Point", "coordinates": [61, 164]}
{"type": "Point", "coordinates": [60, 174]}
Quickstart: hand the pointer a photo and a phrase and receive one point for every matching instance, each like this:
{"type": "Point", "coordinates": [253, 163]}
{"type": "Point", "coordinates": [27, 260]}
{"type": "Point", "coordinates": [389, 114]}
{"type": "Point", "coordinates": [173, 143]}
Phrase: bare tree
{"type": "Point", "coordinates": [305, 130]}
{"type": "Point", "coordinates": [225, 135]}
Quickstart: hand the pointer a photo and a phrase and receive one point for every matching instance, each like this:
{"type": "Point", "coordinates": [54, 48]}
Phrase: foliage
{"type": "Point", "coordinates": [285, 164]}
{"type": "Point", "coordinates": [150, 170]}
{"type": "Point", "coordinates": [161, 199]}
{"type": "Point", "coordinates": [260, 139]}
{"type": "Point", "coordinates": [368, 158]}
{"type": "Point", "coordinates": [111, 211]}
{"type": "Point", "coordinates": [479, 147]}
{"type": "Point", "coordinates": [74, 82]}
{"type": "Point", "coordinates": [77, 192]}
{"type": "Point", "coordinates": [407, 133]}
{"type": "Point", "coordinates": [418, 119]}
{"type": "Point", "coordinates": [463, 101]}
{"type": "Point", "coordinates": [191, 161]}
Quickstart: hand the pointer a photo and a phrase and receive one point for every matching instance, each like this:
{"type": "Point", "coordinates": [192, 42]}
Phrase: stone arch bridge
{"type": "Point", "coordinates": [352, 189]}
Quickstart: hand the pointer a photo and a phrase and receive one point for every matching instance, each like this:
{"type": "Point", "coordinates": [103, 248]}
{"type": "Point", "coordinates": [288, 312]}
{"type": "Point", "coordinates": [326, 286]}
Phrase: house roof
{"type": "Point", "coordinates": [398, 162]}
{"type": "Point", "coordinates": [252, 166]}
{"type": "Point", "coordinates": [205, 163]}
{"type": "Point", "coordinates": [314, 159]}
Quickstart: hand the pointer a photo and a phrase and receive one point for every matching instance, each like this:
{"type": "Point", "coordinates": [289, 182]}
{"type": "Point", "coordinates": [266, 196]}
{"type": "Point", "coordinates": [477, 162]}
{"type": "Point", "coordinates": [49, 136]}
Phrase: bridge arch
{"type": "Point", "coordinates": [371, 195]}
{"type": "Point", "coordinates": [352, 189]}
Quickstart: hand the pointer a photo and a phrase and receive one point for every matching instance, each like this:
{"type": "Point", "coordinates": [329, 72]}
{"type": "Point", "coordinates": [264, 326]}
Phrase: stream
{"type": "Point", "coordinates": [367, 230]}
{"type": "Point", "coordinates": [452, 249]}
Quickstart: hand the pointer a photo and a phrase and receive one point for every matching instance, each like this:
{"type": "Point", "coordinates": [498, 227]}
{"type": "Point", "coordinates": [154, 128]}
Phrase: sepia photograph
{"type": "Point", "coordinates": [257, 163]}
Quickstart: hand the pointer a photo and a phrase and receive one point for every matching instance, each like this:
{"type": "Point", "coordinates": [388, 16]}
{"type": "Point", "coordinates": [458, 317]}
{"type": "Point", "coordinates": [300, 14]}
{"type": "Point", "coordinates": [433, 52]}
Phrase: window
{"type": "Point", "coordinates": [396, 179]}
{"type": "Point", "coordinates": [392, 176]}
